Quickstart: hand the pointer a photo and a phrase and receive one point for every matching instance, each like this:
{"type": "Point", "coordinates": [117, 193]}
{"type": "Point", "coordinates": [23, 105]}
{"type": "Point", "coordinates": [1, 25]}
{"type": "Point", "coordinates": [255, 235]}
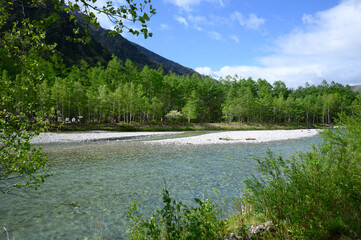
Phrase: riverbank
{"type": "Point", "coordinates": [56, 137]}
{"type": "Point", "coordinates": [177, 126]}
{"type": "Point", "coordinates": [221, 137]}
{"type": "Point", "coordinates": [254, 136]}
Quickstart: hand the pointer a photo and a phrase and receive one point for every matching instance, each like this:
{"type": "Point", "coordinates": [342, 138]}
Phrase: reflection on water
{"type": "Point", "coordinates": [97, 180]}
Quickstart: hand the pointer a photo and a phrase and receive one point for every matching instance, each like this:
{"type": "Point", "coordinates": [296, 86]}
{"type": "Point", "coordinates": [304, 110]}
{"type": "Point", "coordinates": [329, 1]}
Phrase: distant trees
{"type": "Point", "coordinates": [123, 93]}
{"type": "Point", "coordinates": [190, 109]}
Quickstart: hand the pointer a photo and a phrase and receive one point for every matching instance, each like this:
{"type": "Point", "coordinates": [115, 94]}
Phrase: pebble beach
{"type": "Point", "coordinates": [223, 137]}
{"type": "Point", "coordinates": [254, 136]}
{"type": "Point", "coordinates": [50, 137]}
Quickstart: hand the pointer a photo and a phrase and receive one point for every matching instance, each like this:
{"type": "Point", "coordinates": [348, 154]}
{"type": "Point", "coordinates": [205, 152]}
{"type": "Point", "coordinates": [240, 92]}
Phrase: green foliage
{"type": "Point", "coordinates": [122, 93]}
{"type": "Point", "coordinates": [177, 221]}
{"type": "Point", "coordinates": [21, 165]}
{"type": "Point", "coordinates": [314, 195]}
{"type": "Point", "coordinates": [36, 90]}
{"type": "Point", "coordinates": [174, 115]}
{"type": "Point", "coordinates": [190, 109]}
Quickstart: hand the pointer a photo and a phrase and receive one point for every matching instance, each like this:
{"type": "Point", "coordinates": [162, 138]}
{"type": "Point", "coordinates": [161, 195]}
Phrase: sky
{"type": "Point", "coordinates": [294, 41]}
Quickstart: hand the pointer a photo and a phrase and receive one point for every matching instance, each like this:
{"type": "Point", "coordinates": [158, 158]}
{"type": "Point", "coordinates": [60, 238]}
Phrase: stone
{"type": "Point", "coordinates": [268, 226]}
{"type": "Point", "coordinates": [233, 236]}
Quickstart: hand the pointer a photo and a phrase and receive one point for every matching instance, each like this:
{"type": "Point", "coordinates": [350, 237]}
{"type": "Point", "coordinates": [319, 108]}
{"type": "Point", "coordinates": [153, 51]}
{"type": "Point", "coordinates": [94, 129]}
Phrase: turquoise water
{"type": "Point", "coordinates": [93, 183]}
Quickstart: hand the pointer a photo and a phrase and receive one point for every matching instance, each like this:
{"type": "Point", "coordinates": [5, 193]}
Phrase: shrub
{"type": "Point", "coordinates": [314, 195]}
{"type": "Point", "coordinates": [174, 115]}
{"type": "Point", "coordinates": [177, 221]}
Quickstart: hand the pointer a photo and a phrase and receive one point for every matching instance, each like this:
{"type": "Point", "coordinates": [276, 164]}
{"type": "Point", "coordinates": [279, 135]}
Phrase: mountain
{"type": "Point", "coordinates": [168, 65]}
{"type": "Point", "coordinates": [71, 51]}
{"type": "Point", "coordinates": [356, 88]}
{"type": "Point", "coordinates": [121, 47]}
{"type": "Point", "coordinates": [125, 49]}
{"type": "Point", "coordinates": [57, 31]}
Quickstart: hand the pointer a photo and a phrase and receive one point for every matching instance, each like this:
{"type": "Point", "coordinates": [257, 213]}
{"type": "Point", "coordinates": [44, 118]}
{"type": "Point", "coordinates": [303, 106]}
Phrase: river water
{"type": "Point", "coordinates": [92, 184]}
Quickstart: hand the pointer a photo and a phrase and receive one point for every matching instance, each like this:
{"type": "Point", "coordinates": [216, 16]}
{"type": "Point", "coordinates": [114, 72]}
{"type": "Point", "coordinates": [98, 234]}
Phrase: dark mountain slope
{"type": "Point", "coordinates": [125, 49]}
{"type": "Point", "coordinates": [102, 45]}
{"type": "Point", "coordinates": [122, 48]}
{"type": "Point", "coordinates": [73, 52]}
{"type": "Point", "coordinates": [167, 64]}
{"type": "Point", "coordinates": [56, 32]}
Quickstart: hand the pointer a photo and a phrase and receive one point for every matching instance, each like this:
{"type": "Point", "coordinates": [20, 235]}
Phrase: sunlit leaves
{"type": "Point", "coordinates": [20, 163]}
{"type": "Point", "coordinates": [26, 98]}
{"type": "Point", "coordinates": [132, 11]}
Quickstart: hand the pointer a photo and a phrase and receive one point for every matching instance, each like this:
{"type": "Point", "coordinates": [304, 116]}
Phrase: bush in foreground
{"type": "Point", "coordinates": [314, 195]}
{"type": "Point", "coordinates": [177, 221]}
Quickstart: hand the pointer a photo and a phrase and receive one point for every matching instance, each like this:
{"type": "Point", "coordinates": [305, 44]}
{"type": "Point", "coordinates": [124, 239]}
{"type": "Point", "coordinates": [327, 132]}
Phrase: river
{"type": "Point", "coordinates": [92, 183]}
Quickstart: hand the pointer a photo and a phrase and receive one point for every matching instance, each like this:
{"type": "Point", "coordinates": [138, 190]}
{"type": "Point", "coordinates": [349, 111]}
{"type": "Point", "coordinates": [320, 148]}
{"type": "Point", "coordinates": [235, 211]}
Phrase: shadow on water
{"type": "Point", "coordinates": [96, 180]}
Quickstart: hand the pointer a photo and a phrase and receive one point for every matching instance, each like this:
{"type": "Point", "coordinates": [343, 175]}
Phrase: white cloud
{"type": "Point", "coordinates": [250, 22]}
{"type": "Point", "coordinates": [204, 70]}
{"type": "Point", "coordinates": [272, 74]}
{"type": "Point", "coordinates": [215, 35]}
{"type": "Point", "coordinates": [185, 4]}
{"type": "Point", "coordinates": [327, 46]}
{"type": "Point", "coordinates": [307, 18]}
{"type": "Point", "coordinates": [234, 38]}
{"type": "Point", "coordinates": [197, 19]}
{"type": "Point", "coordinates": [198, 28]}
{"type": "Point", "coordinates": [104, 20]}
{"type": "Point", "coordinates": [254, 22]}
{"type": "Point", "coordinates": [188, 4]}
{"type": "Point", "coordinates": [164, 26]}
{"type": "Point", "coordinates": [182, 20]}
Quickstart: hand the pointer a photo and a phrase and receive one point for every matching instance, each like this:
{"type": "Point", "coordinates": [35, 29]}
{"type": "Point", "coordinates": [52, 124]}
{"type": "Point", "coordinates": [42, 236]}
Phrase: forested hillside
{"type": "Point", "coordinates": [61, 33]}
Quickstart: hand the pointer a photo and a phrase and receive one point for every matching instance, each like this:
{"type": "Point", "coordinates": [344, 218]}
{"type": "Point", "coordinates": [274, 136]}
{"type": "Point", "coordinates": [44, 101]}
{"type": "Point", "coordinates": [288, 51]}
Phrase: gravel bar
{"type": "Point", "coordinates": [50, 137]}
{"type": "Point", "coordinates": [254, 136]}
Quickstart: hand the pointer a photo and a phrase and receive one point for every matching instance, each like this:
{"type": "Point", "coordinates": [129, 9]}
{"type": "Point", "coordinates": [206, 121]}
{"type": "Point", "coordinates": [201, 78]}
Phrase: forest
{"type": "Point", "coordinates": [121, 92]}
{"type": "Point", "coordinates": [46, 73]}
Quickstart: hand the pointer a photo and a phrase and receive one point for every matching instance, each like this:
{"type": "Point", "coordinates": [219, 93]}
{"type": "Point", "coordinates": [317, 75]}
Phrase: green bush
{"type": "Point", "coordinates": [174, 115]}
{"type": "Point", "coordinates": [314, 195]}
{"type": "Point", "coordinates": [177, 221]}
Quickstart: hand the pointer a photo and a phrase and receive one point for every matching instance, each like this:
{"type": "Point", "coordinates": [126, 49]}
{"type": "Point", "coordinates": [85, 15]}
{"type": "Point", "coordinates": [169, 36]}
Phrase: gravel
{"type": "Point", "coordinates": [50, 137]}
{"type": "Point", "coordinates": [255, 136]}
{"type": "Point", "coordinates": [224, 137]}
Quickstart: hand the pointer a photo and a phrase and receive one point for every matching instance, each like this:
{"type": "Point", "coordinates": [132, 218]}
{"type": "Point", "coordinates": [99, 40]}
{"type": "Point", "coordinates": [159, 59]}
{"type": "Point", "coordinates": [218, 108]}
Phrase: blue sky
{"type": "Point", "coordinates": [293, 41]}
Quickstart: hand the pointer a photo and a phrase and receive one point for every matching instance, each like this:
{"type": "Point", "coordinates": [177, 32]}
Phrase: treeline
{"type": "Point", "coordinates": [120, 92]}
